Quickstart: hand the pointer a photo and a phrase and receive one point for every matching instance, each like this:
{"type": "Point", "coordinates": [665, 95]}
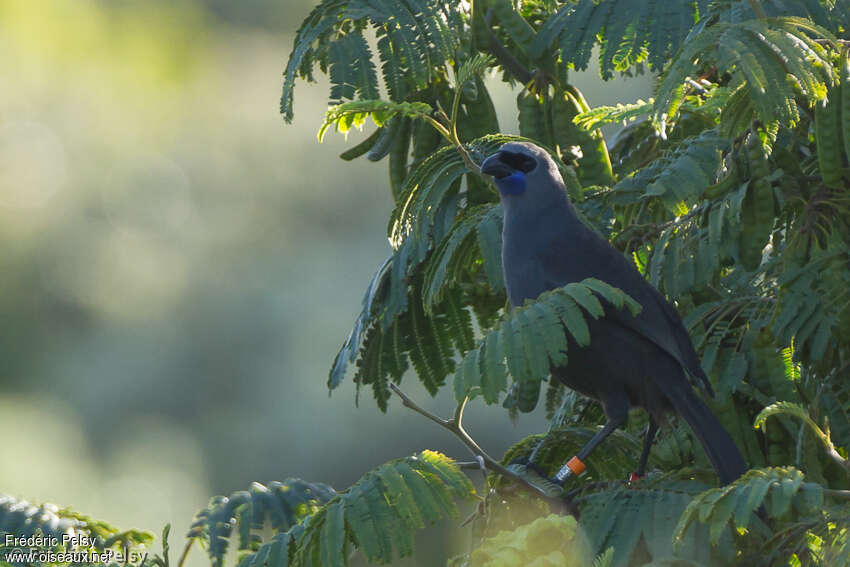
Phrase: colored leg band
{"type": "Point", "coordinates": [576, 466]}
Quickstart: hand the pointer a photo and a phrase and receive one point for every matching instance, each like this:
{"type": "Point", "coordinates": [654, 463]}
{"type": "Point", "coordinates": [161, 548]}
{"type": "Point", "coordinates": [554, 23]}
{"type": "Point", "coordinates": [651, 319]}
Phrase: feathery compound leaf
{"type": "Point", "coordinates": [628, 33]}
{"type": "Point", "coordinates": [22, 519]}
{"type": "Point", "coordinates": [681, 175]}
{"type": "Point", "coordinates": [775, 488]}
{"type": "Point", "coordinates": [476, 234]}
{"type": "Point", "coordinates": [352, 72]}
{"type": "Point", "coordinates": [426, 187]}
{"type": "Point", "coordinates": [614, 296]}
{"type": "Point", "coordinates": [621, 113]}
{"type": "Point", "coordinates": [532, 337]}
{"type": "Point", "coordinates": [317, 25]}
{"type": "Point", "coordinates": [471, 68]}
{"type": "Point", "coordinates": [333, 534]}
{"type": "Point", "coordinates": [795, 410]}
{"type": "Point", "coordinates": [285, 504]}
{"type": "Point", "coordinates": [519, 30]}
{"type": "Point", "coordinates": [763, 54]}
{"type": "Point", "coordinates": [349, 114]}
{"type": "Point", "coordinates": [348, 351]}
{"type": "Point", "coordinates": [622, 518]}
{"type": "Point", "coordinates": [416, 40]}
{"type": "Point", "coordinates": [378, 515]}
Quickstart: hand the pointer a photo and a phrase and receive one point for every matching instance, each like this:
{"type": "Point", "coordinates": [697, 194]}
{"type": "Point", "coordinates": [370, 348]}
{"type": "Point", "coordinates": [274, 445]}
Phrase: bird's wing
{"type": "Point", "coordinates": [581, 253]}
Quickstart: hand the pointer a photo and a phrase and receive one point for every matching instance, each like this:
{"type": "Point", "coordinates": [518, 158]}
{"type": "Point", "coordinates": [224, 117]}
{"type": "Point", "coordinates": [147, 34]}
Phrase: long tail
{"type": "Point", "coordinates": [718, 444]}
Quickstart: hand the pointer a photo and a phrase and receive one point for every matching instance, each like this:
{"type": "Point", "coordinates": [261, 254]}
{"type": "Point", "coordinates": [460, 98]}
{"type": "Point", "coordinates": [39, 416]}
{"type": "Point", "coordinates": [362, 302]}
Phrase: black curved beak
{"type": "Point", "coordinates": [494, 166]}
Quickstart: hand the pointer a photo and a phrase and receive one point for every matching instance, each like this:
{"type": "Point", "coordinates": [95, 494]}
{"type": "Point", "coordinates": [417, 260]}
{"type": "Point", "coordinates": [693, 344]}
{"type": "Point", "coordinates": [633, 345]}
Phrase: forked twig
{"type": "Point", "coordinates": [455, 426]}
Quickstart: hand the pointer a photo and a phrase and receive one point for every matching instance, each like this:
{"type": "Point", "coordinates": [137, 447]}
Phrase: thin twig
{"type": "Point", "coordinates": [455, 426]}
{"type": "Point", "coordinates": [447, 134]}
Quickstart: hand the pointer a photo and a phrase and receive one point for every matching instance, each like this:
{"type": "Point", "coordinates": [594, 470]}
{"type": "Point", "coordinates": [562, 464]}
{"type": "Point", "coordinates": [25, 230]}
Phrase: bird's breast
{"type": "Point", "coordinates": [523, 269]}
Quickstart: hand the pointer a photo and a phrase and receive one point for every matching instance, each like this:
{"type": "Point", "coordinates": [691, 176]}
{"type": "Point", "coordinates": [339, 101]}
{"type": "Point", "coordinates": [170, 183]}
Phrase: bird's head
{"type": "Point", "coordinates": [516, 166]}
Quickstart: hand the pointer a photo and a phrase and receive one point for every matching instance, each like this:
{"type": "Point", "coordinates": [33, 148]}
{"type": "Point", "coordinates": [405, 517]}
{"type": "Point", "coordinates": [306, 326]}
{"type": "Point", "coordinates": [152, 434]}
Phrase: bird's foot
{"type": "Point", "coordinates": [535, 476]}
{"type": "Point", "coordinates": [527, 464]}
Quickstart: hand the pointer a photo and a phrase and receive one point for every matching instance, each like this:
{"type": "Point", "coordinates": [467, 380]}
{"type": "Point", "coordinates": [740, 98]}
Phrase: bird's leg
{"type": "Point", "coordinates": [575, 466]}
{"type": "Point", "coordinates": [648, 439]}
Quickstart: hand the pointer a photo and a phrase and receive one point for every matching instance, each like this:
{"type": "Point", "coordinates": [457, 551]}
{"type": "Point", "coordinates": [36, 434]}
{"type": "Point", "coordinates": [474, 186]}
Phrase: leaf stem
{"type": "Point", "coordinates": [455, 106]}
{"type": "Point", "coordinates": [452, 138]}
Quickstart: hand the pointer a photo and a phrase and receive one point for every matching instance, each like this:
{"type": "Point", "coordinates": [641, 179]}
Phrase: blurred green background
{"type": "Point", "coordinates": [179, 267]}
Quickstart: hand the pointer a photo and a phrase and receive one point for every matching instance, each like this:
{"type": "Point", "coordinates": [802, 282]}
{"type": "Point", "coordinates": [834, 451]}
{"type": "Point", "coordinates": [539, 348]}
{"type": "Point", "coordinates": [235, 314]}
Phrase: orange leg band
{"type": "Point", "coordinates": [576, 466]}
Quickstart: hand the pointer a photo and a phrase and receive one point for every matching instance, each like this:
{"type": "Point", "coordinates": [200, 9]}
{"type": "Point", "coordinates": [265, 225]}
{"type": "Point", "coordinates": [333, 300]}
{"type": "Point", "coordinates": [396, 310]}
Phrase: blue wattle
{"type": "Point", "coordinates": [513, 184]}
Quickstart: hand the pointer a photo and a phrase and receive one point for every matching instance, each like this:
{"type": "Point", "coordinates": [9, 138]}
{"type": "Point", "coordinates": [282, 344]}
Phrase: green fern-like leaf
{"type": "Point", "coordinates": [603, 115]}
{"type": "Point", "coordinates": [773, 57]}
{"type": "Point", "coordinates": [22, 519]}
{"type": "Point", "coordinates": [416, 41]}
{"type": "Point", "coordinates": [352, 72]}
{"type": "Point", "coordinates": [774, 488]}
{"type": "Point", "coordinates": [531, 337]}
{"type": "Point", "coordinates": [682, 175]}
{"type": "Point", "coordinates": [281, 505]}
{"type": "Point", "coordinates": [353, 114]}
{"type": "Point", "coordinates": [626, 35]}
{"type": "Point", "coordinates": [378, 515]}
{"type": "Point", "coordinates": [476, 235]}
{"type": "Point", "coordinates": [622, 518]}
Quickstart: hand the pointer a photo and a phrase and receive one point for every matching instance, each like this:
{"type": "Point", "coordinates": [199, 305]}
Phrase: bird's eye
{"type": "Point", "coordinates": [520, 162]}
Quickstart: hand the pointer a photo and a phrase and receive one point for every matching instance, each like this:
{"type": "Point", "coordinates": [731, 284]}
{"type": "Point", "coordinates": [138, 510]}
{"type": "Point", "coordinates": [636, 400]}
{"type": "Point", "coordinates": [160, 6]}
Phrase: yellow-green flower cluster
{"type": "Point", "coordinates": [551, 541]}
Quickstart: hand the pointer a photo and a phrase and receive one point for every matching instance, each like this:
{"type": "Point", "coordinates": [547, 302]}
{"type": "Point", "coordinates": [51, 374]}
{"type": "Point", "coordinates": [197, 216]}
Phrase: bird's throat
{"type": "Point", "coordinates": [513, 184]}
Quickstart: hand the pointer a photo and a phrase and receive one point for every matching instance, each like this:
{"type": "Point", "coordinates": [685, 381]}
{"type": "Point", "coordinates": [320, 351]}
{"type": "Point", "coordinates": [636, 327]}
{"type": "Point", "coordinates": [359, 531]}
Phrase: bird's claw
{"type": "Point", "coordinates": [535, 477]}
{"type": "Point", "coordinates": [528, 464]}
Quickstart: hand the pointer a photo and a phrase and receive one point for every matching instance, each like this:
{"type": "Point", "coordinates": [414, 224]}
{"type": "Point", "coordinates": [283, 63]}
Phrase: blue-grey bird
{"type": "Point", "coordinates": [646, 360]}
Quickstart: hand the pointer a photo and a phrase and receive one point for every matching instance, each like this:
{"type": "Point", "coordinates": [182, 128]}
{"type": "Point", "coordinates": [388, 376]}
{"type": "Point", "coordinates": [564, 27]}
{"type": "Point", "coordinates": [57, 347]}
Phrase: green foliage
{"type": "Point", "coordinates": [626, 36]}
{"type": "Point", "coordinates": [776, 60]}
{"type": "Point", "coordinates": [602, 115]}
{"type": "Point", "coordinates": [679, 177]}
{"type": "Point", "coordinates": [415, 42]}
{"type": "Point", "coordinates": [59, 531]}
{"type": "Point", "coordinates": [531, 338]}
{"type": "Point", "coordinates": [637, 520]}
{"type": "Point", "coordinates": [415, 310]}
{"type": "Point", "coordinates": [378, 515]}
{"type": "Point", "coordinates": [344, 116]}
{"type": "Point", "coordinates": [280, 505]}
{"type": "Point", "coordinates": [311, 523]}
{"type": "Point", "coordinates": [774, 489]}
{"type": "Point", "coordinates": [731, 197]}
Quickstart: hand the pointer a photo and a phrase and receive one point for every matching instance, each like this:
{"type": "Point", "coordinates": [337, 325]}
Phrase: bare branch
{"type": "Point", "coordinates": [455, 426]}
